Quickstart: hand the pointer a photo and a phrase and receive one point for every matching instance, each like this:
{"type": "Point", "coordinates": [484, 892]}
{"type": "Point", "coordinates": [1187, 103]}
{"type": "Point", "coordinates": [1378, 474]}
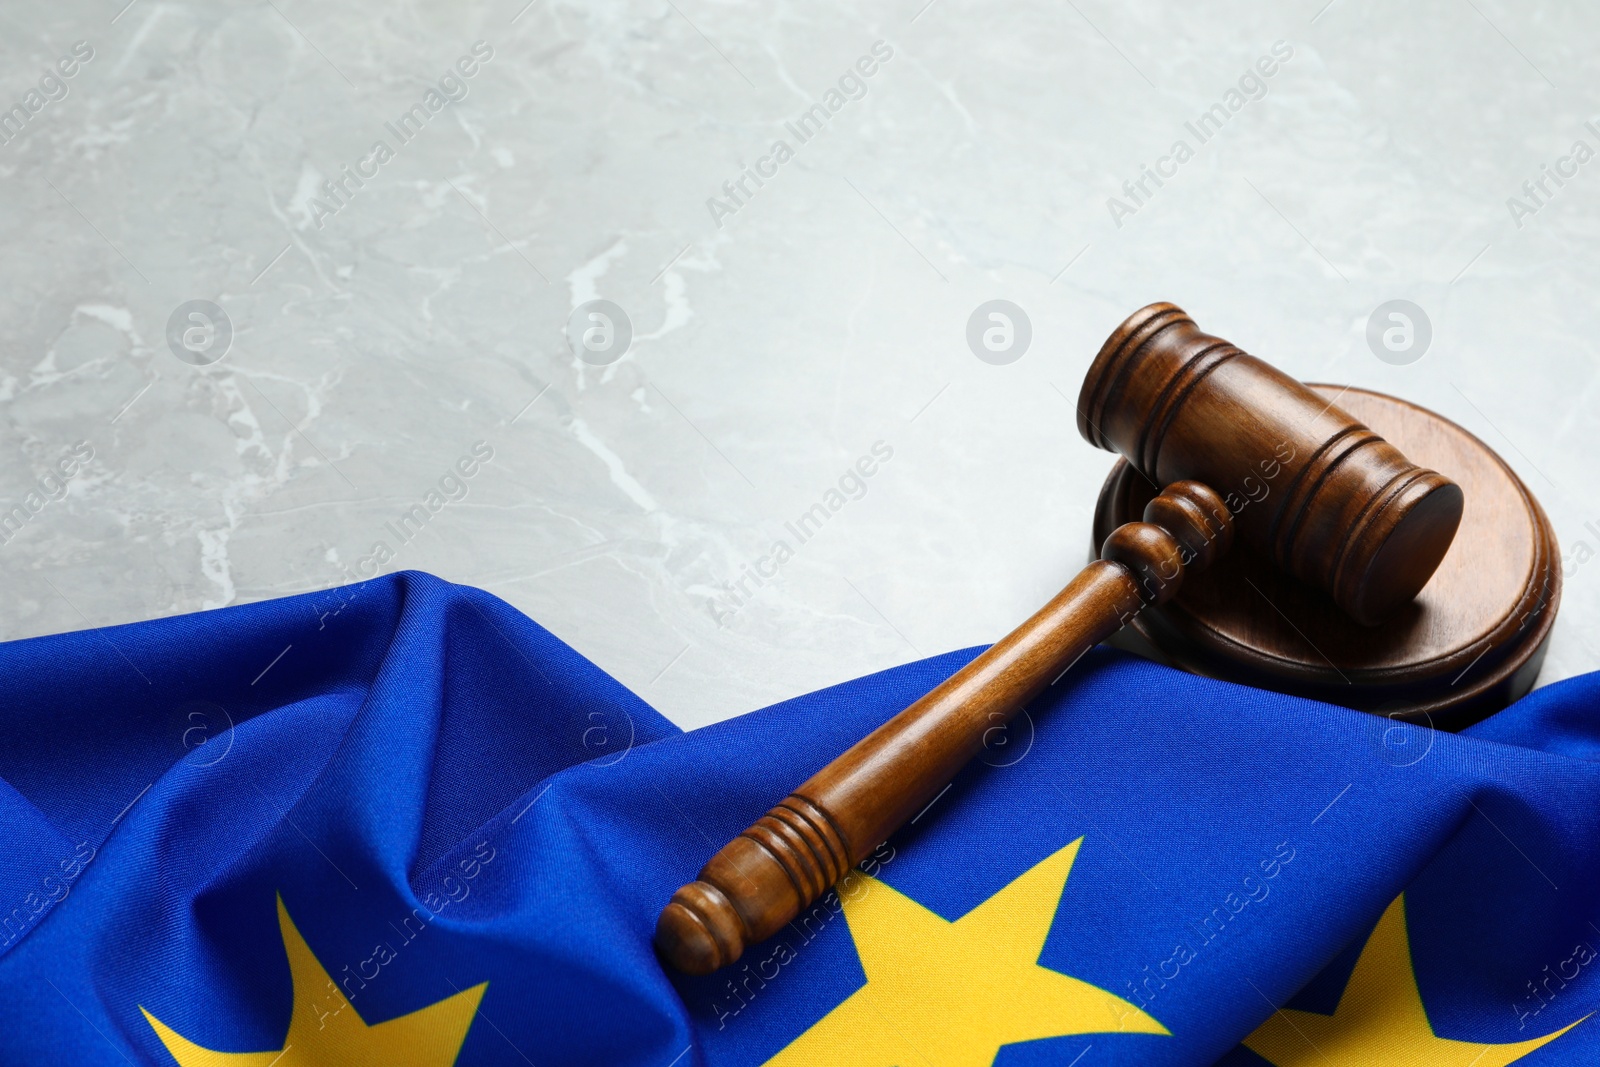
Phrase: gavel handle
{"type": "Point", "coordinates": [764, 877]}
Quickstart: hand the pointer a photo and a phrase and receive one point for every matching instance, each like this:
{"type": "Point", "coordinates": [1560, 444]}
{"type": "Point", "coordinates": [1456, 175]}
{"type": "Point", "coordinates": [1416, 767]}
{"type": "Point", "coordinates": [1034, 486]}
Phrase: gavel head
{"type": "Point", "coordinates": [1327, 499]}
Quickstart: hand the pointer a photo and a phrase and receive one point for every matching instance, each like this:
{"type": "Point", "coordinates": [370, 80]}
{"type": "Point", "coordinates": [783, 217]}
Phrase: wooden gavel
{"type": "Point", "coordinates": [1327, 499]}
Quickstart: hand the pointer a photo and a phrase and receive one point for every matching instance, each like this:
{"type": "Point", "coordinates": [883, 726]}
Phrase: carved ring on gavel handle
{"type": "Point", "coordinates": [767, 875]}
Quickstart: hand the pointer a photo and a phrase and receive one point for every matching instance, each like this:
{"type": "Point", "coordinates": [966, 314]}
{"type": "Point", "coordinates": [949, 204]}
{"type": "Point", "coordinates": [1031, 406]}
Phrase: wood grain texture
{"type": "Point", "coordinates": [1324, 497]}
{"type": "Point", "coordinates": [1470, 643]}
{"type": "Point", "coordinates": [764, 877]}
{"type": "Point", "coordinates": [1304, 483]}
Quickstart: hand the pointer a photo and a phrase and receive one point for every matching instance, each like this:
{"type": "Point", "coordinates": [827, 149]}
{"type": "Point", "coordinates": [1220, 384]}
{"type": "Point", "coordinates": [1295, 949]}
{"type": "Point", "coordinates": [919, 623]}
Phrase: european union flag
{"type": "Point", "coordinates": [401, 824]}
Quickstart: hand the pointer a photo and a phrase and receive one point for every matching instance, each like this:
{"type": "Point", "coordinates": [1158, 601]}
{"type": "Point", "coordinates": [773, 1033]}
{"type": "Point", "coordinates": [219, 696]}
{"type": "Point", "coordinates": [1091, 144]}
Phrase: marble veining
{"type": "Point", "coordinates": [392, 310]}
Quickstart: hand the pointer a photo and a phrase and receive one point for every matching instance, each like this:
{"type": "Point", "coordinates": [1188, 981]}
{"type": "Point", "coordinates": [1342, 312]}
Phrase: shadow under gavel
{"type": "Point", "coordinates": [1243, 450]}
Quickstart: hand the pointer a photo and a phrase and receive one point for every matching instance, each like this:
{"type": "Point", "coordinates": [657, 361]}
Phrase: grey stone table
{"type": "Point", "coordinates": [286, 282]}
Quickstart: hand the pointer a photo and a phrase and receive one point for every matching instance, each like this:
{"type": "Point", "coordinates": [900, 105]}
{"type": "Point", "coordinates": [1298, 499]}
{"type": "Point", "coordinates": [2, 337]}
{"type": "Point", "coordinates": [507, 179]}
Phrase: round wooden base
{"type": "Point", "coordinates": [1469, 644]}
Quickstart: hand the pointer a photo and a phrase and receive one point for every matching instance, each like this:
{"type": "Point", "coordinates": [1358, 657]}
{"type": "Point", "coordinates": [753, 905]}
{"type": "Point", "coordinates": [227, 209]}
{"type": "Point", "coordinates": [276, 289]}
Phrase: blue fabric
{"type": "Point", "coordinates": [408, 747]}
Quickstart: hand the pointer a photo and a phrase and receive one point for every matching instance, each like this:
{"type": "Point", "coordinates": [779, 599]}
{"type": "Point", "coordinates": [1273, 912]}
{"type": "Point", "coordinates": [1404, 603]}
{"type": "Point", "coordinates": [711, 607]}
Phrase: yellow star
{"type": "Point", "coordinates": [1380, 1020]}
{"type": "Point", "coordinates": [952, 993]}
{"type": "Point", "coordinates": [325, 1031]}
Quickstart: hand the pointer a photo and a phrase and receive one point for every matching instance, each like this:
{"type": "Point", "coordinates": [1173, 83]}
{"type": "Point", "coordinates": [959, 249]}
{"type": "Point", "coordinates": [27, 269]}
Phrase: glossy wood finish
{"type": "Point", "coordinates": [765, 876]}
{"type": "Point", "coordinates": [1308, 486]}
{"type": "Point", "coordinates": [1471, 642]}
{"type": "Point", "coordinates": [1313, 489]}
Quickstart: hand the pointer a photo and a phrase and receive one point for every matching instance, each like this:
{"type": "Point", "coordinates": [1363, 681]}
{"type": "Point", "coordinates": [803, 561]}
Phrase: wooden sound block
{"type": "Point", "coordinates": [1469, 644]}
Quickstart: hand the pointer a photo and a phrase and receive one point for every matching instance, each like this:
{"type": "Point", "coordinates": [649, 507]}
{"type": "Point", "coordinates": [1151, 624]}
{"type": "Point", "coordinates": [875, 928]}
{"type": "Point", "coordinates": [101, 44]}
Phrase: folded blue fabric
{"type": "Point", "coordinates": [400, 823]}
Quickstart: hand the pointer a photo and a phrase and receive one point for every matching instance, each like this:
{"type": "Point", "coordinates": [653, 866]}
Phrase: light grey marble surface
{"type": "Point", "coordinates": [379, 336]}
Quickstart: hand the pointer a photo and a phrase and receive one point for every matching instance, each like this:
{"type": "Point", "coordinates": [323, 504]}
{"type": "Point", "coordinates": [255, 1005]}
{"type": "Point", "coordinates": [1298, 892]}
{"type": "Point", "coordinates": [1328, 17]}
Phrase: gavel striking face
{"type": "Point", "coordinates": [1240, 447]}
{"type": "Point", "coordinates": [1344, 510]}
